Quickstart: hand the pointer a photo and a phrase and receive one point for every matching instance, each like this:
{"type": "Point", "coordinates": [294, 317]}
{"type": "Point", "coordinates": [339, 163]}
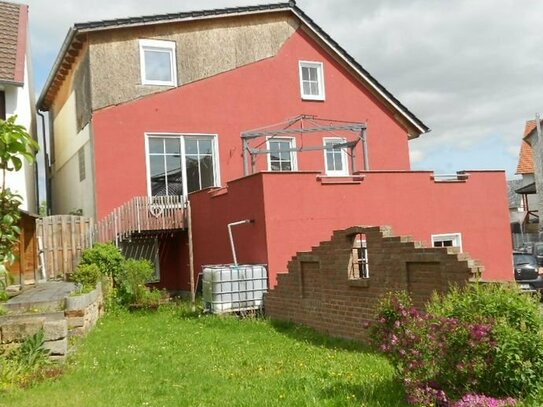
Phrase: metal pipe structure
{"type": "Point", "coordinates": [363, 137]}
{"type": "Point", "coordinates": [232, 245]}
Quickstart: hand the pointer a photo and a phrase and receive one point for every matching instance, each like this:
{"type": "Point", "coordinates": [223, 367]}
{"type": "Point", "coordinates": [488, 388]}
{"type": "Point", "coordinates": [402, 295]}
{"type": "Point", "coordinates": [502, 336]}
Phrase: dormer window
{"type": "Point", "coordinates": [157, 63]}
{"type": "Point", "coordinates": [311, 80]}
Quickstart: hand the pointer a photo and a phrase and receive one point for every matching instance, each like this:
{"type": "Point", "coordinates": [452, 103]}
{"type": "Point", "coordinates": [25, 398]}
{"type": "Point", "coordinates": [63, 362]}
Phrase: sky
{"type": "Point", "coordinates": [470, 70]}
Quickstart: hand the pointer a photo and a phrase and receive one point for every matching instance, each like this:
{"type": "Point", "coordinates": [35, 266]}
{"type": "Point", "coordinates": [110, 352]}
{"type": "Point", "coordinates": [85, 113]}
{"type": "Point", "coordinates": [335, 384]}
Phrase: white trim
{"type": "Point", "coordinates": [162, 46]}
{"type": "Point", "coordinates": [293, 155]}
{"type": "Point", "coordinates": [181, 137]}
{"type": "Point", "coordinates": [455, 237]}
{"type": "Point", "coordinates": [344, 161]}
{"type": "Point", "coordinates": [359, 72]}
{"type": "Point", "coordinates": [320, 78]}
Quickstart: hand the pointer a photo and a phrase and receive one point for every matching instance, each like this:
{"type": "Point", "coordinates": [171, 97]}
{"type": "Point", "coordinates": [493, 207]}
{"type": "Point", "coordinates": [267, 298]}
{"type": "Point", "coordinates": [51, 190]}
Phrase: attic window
{"type": "Point", "coordinates": [157, 63]}
{"type": "Point", "coordinates": [311, 80]}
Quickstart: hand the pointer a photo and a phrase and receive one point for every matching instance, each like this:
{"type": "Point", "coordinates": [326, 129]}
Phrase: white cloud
{"type": "Point", "coordinates": [416, 156]}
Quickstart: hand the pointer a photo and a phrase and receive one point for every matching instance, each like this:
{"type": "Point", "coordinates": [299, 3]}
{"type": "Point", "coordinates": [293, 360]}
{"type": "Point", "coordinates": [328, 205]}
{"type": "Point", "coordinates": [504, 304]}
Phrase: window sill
{"type": "Point", "coordinates": [313, 98]}
{"type": "Point", "coordinates": [340, 179]}
{"type": "Point", "coordinates": [361, 282]}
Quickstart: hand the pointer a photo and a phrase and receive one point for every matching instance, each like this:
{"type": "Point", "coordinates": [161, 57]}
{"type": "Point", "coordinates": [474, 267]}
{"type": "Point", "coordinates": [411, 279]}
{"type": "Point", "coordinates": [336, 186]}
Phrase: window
{"type": "Point", "coordinates": [311, 80]}
{"type": "Point", "coordinates": [359, 258]}
{"type": "Point", "coordinates": [335, 158]}
{"type": "Point", "coordinates": [282, 154]}
{"type": "Point", "coordinates": [157, 63]}
{"type": "Point", "coordinates": [447, 240]}
{"type": "Point", "coordinates": [181, 164]}
{"type": "Point", "coordinates": [81, 162]}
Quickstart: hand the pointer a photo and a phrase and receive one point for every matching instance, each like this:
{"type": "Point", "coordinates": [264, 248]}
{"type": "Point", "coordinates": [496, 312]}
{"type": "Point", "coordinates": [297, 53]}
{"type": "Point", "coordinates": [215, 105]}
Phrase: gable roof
{"type": "Point", "coordinates": [72, 44]}
{"type": "Point", "coordinates": [13, 29]}
{"type": "Point", "coordinates": [526, 156]}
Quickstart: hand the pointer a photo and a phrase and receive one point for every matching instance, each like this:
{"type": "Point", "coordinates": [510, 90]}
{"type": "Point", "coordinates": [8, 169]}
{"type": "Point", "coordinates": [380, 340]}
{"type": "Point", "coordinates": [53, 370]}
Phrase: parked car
{"type": "Point", "coordinates": [526, 272]}
{"type": "Point", "coordinates": [538, 252]}
{"type": "Point", "coordinates": [527, 247]}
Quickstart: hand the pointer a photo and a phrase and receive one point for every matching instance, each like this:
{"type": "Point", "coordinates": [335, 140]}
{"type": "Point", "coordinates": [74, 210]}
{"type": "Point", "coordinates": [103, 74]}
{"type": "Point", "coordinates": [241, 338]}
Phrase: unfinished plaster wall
{"type": "Point", "coordinates": [318, 292]}
{"type": "Point", "coordinates": [204, 48]}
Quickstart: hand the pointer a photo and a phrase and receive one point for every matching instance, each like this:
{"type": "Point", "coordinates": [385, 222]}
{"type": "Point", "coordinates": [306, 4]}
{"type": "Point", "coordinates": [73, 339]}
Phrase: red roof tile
{"type": "Point", "coordinates": [526, 157]}
{"type": "Point", "coordinates": [13, 29]}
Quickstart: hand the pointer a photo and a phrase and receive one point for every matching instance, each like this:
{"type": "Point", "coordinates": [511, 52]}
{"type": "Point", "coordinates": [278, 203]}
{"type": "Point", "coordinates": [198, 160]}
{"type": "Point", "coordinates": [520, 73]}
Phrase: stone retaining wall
{"type": "Point", "coordinates": [80, 314]}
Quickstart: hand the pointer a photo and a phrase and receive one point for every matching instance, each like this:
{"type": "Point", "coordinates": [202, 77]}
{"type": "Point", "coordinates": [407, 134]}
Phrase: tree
{"type": "Point", "coordinates": [16, 145]}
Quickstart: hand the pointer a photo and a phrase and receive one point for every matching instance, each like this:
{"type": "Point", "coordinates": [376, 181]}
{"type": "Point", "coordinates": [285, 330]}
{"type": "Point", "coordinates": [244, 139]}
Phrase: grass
{"type": "Point", "coordinates": [177, 358]}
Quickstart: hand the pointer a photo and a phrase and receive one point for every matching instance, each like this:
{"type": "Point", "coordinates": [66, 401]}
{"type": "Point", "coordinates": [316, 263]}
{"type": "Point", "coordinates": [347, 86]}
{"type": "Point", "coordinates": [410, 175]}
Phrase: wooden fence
{"type": "Point", "coordinates": [61, 240]}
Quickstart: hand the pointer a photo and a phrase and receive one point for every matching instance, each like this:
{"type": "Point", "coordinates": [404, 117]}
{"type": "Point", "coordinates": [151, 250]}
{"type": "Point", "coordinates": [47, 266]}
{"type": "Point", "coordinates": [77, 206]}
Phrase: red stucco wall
{"type": "Point", "coordinates": [300, 212]}
{"type": "Point", "coordinates": [249, 97]}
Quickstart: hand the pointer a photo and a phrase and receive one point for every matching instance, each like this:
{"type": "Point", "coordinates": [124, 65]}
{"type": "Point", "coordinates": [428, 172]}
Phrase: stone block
{"type": "Point", "coordinates": [59, 347]}
{"type": "Point", "coordinates": [55, 330]}
{"type": "Point", "coordinates": [17, 331]}
{"type": "Point", "coordinates": [76, 322]}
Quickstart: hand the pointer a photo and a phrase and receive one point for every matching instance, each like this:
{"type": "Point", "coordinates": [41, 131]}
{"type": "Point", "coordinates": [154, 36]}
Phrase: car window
{"type": "Point", "coordinates": [539, 250]}
{"type": "Point", "coordinates": [524, 259]}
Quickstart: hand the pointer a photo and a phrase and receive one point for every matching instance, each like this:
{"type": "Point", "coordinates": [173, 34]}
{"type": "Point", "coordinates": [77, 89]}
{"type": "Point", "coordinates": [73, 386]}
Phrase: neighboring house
{"type": "Point", "coordinates": [165, 106]}
{"type": "Point", "coordinates": [527, 214]}
{"type": "Point", "coordinates": [17, 91]}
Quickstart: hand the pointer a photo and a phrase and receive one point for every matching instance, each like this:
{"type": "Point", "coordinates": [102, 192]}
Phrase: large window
{"type": "Point", "coordinates": [180, 164]}
{"type": "Point", "coordinates": [335, 158]}
{"type": "Point", "coordinates": [158, 65]}
{"type": "Point", "coordinates": [311, 80]}
{"type": "Point", "coordinates": [282, 155]}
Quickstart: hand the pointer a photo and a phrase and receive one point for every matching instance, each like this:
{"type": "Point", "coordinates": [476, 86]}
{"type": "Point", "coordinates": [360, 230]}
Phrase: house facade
{"type": "Point", "coordinates": [17, 91]}
{"type": "Point", "coordinates": [252, 114]}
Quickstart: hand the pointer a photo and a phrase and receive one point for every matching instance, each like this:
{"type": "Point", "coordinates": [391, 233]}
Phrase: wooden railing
{"type": "Point", "coordinates": [141, 214]}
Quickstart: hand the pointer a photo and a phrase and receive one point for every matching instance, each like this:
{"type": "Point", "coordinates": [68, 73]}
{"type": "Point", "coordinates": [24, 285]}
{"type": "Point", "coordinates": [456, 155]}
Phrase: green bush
{"type": "Point", "coordinates": [481, 339]}
{"type": "Point", "coordinates": [106, 256]}
{"type": "Point", "coordinates": [517, 367]}
{"type": "Point", "coordinates": [87, 275]}
{"type": "Point", "coordinates": [132, 280]}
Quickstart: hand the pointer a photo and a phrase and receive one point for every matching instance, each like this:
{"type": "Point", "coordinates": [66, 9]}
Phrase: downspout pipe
{"type": "Point", "coordinates": [232, 245]}
{"type": "Point", "coordinates": [46, 165]}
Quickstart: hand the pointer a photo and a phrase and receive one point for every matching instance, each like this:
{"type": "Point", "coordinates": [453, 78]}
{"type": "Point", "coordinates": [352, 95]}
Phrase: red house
{"type": "Point", "coordinates": [251, 113]}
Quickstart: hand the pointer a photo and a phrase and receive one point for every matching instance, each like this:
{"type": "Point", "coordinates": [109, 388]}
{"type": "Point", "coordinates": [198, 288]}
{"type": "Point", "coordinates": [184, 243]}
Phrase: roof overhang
{"type": "Point", "coordinates": [76, 34]}
{"type": "Point", "coordinates": [527, 189]}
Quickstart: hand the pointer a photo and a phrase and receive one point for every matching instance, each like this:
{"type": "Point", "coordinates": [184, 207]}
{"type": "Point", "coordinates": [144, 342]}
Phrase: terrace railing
{"type": "Point", "coordinates": [142, 214]}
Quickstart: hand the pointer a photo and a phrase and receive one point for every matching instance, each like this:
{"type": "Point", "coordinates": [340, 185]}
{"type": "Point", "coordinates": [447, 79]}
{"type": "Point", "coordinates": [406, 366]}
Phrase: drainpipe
{"type": "Point", "coordinates": [232, 245]}
{"type": "Point", "coordinates": [46, 165]}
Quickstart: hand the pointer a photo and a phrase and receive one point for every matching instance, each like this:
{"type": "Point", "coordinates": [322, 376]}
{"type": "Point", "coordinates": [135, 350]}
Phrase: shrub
{"type": "Point", "coordinates": [132, 280]}
{"type": "Point", "coordinates": [106, 256]}
{"type": "Point", "coordinates": [479, 339]}
{"type": "Point", "coordinates": [517, 368]}
{"type": "Point", "coordinates": [87, 275]}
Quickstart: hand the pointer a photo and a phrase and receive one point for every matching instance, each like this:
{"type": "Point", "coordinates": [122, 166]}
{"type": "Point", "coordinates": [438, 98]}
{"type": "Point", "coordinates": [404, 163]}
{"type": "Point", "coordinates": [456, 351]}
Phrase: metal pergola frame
{"type": "Point", "coordinates": [250, 153]}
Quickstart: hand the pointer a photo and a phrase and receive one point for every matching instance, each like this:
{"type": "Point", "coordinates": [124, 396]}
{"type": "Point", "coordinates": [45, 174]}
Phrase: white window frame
{"type": "Point", "coordinates": [163, 46]}
{"type": "Point", "coordinates": [293, 155]}
{"type": "Point", "coordinates": [320, 78]}
{"type": "Point", "coordinates": [344, 160]}
{"type": "Point", "coordinates": [181, 136]}
{"type": "Point", "coordinates": [455, 237]}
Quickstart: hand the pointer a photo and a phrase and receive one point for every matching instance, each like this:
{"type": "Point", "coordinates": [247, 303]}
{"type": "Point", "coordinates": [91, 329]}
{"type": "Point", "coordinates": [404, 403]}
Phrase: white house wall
{"type": "Point", "coordinates": [20, 102]}
{"type": "Point", "coordinates": [69, 193]}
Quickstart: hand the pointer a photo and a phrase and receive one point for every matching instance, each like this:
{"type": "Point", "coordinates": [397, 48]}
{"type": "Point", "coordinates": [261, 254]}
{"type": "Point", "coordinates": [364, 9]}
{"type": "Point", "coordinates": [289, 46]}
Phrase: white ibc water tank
{"type": "Point", "coordinates": [230, 288]}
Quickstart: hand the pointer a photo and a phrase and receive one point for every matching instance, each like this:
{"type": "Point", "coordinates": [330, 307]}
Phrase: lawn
{"type": "Point", "coordinates": [176, 358]}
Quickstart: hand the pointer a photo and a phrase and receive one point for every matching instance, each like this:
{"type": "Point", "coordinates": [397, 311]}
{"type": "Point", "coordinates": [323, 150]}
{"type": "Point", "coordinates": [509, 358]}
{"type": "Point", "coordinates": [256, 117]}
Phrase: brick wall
{"type": "Point", "coordinates": [318, 292]}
